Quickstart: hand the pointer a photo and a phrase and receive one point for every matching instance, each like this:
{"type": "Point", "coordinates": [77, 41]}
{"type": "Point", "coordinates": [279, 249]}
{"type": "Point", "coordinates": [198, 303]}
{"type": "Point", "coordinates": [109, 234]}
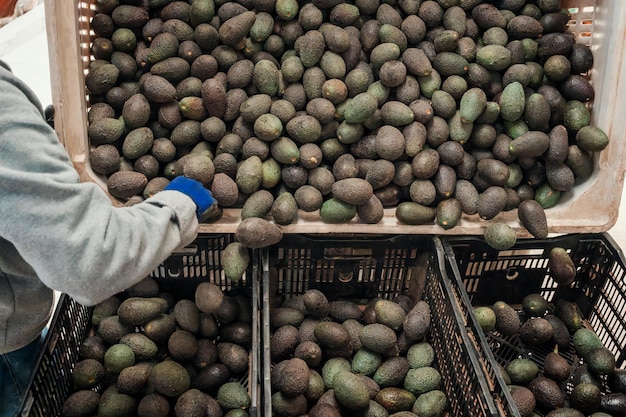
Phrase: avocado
{"type": "Point", "coordinates": [331, 367]}
{"type": "Point", "coordinates": [395, 399]}
{"type": "Point", "coordinates": [507, 320]}
{"type": "Point", "coordinates": [613, 404]}
{"type": "Point", "coordinates": [371, 211]}
{"type": "Point", "coordinates": [561, 266]}
{"type": "Point", "coordinates": [533, 217]}
{"type": "Point", "coordinates": [81, 403]}
{"type": "Point", "coordinates": [113, 403]}
{"type": "Point", "coordinates": [315, 388]}
{"type": "Point", "coordinates": [315, 303]}
{"type": "Point", "coordinates": [350, 391]}
{"type": "Point", "coordinates": [136, 311]}
{"type": "Point", "coordinates": [417, 321]}
{"type": "Point", "coordinates": [391, 372]}
{"type": "Point", "coordinates": [353, 191]}
{"type": "Point", "coordinates": [536, 331]}
{"type": "Point", "coordinates": [421, 380]}
{"type": "Point", "coordinates": [431, 403]}
{"type": "Point", "coordinates": [491, 202]}
{"type": "Point", "coordinates": [591, 138]}
{"type": "Point", "coordinates": [366, 362]}
{"type": "Point", "coordinates": [233, 395]}
{"type": "Point", "coordinates": [547, 392]}
{"type": "Point", "coordinates": [585, 398]}
{"type": "Point", "coordinates": [523, 399]}
{"type": "Point", "coordinates": [331, 335]}
{"type": "Point", "coordinates": [569, 313]}
{"type": "Point", "coordinates": [577, 116]}
{"type": "Point", "coordinates": [160, 328]}
{"type": "Point", "coordinates": [102, 79]}
{"type": "Point", "coordinates": [285, 208]}
{"type": "Point", "coordinates": [389, 313]}
{"type": "Point", "coordinates": [377, 337]}
{"type": "Point", "coordinates": [420, 354]}
{"type": "Point", "coordinates": [284, 315]}
{"type": "Point", "coordinates": [88, 373]}
{"type": "Point", "coordinates": [334, 210]}
{"type": "Point", "coordinates": [118, 357]}
{"type": "Point", "coordinates": [111, 329]}
{"type": "Point", "coordinates": [143, 348]}
{"type": "Point", "coordinates": [310, 352]}
{"type": "Point", "coordinates": [600, 360]}
{"type": "Point", "coordinates": [255, 233]}
{"type": "Point", "coordinates": [293, 379]}
{"type": "Point", "coordinates": [556, 366]}
{"type": "Point", "coordinates": [182, 345]}
{"type": "Point", "coordinates": [133, 379]}
{"type": "Point", "coordinates": [521, 371]}
{"type": "Point", "coordinates": [285, 406]}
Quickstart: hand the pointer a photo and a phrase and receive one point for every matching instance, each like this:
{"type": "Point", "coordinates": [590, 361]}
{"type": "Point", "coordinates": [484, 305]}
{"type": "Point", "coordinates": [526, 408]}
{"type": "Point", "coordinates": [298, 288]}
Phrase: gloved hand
{"type": "Point", "coordinates": [196, 191]}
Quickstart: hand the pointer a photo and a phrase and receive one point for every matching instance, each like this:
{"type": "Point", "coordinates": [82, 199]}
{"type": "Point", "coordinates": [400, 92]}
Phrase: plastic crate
{"type": "Point", "coordinates": [487, 275]}
{"type": "Point", "coordinates": [379, 266]}
{"type": "Point", "coordinates": [591, 207]}
{"type": "Point", "coordinates": [180, 274]}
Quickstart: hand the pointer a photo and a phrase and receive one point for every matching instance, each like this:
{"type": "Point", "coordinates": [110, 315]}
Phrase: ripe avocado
{"type": "Point", "coordinates": [507, 320]}
{"type": "Point", "coordinates": [524, 400]}
{"type": "Point", "coordinates": [536, 331]}
{"type": "Point", "coordinates": [331, 335]}
{"type": "Point", "coordinates": [533, 217]}
{"type": "Point", "coordinates": [391, 372]}
{"type": "Point", "coordinates": [395, 399]}
{"type": "Point", "coordinates": [81, 403]}
{"type": "Point", "coordinates": [547, 392]}
{"type": "Point", "coordinates": [293, 379]}
{"type": "Point", "coordinates": [353, 191]}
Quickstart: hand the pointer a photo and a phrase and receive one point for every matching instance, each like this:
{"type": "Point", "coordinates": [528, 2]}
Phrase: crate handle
{"type": "Point", "coordinates": [347, 253]}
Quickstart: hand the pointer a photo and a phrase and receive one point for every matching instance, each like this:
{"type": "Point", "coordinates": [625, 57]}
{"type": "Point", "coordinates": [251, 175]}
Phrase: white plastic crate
{"type": "Point", "coordinates": [591, 207]}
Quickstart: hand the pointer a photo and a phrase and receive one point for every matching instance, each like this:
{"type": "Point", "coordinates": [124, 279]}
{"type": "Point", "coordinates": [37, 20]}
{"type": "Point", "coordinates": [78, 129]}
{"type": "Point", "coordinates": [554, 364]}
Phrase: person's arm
{"type": "Point", "coordinates": [68, 231]}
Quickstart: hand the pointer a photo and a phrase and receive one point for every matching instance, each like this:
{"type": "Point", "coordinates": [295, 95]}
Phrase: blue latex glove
{"type": "Point", "coordinates": [195, 190]}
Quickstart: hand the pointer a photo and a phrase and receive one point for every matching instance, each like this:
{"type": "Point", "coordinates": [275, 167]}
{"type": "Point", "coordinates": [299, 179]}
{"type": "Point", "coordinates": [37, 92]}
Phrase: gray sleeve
{"type": "Point", "coordinates": [69, 232]}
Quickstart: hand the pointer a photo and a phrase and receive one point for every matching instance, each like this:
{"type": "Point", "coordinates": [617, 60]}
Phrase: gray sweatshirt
{"type": "Point", "coordinates": [57, 233]}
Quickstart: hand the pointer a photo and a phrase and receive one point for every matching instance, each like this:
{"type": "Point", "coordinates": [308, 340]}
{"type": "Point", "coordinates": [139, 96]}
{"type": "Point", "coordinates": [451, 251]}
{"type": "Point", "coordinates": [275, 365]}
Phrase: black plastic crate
{"type": "Point", "coordinates": [366, 267]}
{"type": "Point", "coordinates": [487, 275]}
{"type": "Point", "coordinates": [180, 274]}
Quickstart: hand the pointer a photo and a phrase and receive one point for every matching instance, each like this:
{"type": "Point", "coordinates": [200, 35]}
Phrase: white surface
{"type": "Point", "coordinates": [23, 45]}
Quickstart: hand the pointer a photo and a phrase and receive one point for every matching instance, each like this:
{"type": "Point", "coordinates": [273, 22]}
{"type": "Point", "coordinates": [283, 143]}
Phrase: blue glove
{"type": "Point", "coordinates": [195, 190]}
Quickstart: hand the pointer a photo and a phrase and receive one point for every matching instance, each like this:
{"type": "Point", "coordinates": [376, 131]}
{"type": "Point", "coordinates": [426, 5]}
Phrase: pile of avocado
{"type": "Point", "coordinates": [347, 358]}
{"type": "Point", "coordinates": [152, 354]}
{"type": "Point", "coordinates": [439, 109]}
{"type": "Point", "coordinates": [576, 378]}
